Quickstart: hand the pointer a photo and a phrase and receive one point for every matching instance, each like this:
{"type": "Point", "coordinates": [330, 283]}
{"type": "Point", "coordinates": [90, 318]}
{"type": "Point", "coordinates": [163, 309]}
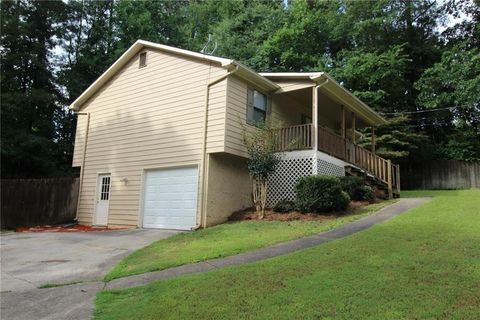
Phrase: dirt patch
{"type": "Point", "coordinates": [270, 215]}
{"type": "Point", "coordinates": [75, 228]}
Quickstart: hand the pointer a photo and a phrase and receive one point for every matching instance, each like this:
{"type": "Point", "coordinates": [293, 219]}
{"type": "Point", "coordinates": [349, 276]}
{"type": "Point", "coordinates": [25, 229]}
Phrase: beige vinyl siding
{"type": "Point", "coordinates": [286, 111]}
{"type": "Point", "coordinates": [217, 117]}
{"type": "Point", "coordinates": [236, 116]}
{"type": "Point", "coordinates": [79, 140]}
{"type": "Point", "coordinates": [146, 118]}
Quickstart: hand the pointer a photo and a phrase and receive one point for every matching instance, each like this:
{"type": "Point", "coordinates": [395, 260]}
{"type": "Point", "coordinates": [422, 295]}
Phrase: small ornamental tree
{"type": "Point", "coordinates": [263, 160]}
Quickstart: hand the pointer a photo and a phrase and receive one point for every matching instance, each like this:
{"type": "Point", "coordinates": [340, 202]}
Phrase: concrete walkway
{"type": "Point", "coordinates": [273, 251]}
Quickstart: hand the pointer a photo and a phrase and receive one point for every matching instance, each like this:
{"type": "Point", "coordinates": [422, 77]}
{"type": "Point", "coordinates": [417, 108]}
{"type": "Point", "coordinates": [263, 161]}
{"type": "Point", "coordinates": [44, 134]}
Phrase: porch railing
{"type": "Point", "coordinates": [382, 169]}
{"type": "Point", "coordinates": [294, 138]}
{"type": "Point", "coordinates": [300, 137]}
{"type": "Point", "coordinates": [331, 143]}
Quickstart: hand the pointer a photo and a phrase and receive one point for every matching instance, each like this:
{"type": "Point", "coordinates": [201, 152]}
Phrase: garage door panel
{"type": "Point", "coordinates": [160, 206]}
{"type": "Point", "coordinates": [172, 188]}
{"type": "Point", "coordinates": [167, 214]}
{"type": "Point", "coordinates": [170, 198]}
{"type": "Point", "coordinates": [167, 222]}
{"type": "Point", "coordinates": [174, 181]}
{"type": "Point", "coordinates": [174, 173]}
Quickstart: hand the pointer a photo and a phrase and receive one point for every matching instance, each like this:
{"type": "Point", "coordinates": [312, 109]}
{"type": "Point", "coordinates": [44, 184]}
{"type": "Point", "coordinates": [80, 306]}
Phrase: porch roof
{"type": "Point", "coordinates": [332, 87]}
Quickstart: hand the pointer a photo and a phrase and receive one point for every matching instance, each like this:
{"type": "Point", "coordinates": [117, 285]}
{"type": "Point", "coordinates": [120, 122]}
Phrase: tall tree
{"type": "Point", "coordinates": [236, 29]}
{"type": "Point", "coordinates": [29, 96]}
{"type": "Point", "coordinates": [157, 21]}
{"type": "Point", "coordinates": [88, 44]}
{"type": "Point", "coordinates": [450, 88]}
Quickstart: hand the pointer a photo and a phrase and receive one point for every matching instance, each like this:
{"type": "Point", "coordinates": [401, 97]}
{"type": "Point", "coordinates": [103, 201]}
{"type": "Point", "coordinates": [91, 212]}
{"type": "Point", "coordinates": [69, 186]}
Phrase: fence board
{"type": "Point", "coordinates": [441, 174]}
{"type": "Point", "coordinates": [32, 202]}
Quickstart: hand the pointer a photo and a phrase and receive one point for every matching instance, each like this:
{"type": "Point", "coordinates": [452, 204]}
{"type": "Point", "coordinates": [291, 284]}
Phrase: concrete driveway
{"type": "Point", "coordinates": [30, 260]}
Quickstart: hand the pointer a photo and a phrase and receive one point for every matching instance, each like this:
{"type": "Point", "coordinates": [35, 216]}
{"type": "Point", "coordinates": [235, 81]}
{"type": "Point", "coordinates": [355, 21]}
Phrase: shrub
{"type": "Point", "coordinates": [350, 184]}
{"type": "Point", "coordinates": [356, 188]}
{"type": "Point", "coordinates": [320, 194]}
{"type": "Point", "coordinates": [344, 201]}
{"type": "Point", "coordinates": [284, 206]}
{"type": "Point", "coordinates": [364, 193]}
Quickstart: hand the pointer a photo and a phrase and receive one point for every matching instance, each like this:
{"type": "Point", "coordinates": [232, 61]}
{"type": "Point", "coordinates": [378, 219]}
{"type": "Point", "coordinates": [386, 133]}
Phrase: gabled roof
{"type": "Point", "coordinates": [243, 71]}
{"type": "Point", "coordinates": [262, 80]}
{"type": "Point", "coordinates": [334, 88]}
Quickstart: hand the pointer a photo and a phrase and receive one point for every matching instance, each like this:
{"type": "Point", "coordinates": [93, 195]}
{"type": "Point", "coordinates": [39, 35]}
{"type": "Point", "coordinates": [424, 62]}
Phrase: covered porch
{"type": "Point", "coordinates": [323, 116]}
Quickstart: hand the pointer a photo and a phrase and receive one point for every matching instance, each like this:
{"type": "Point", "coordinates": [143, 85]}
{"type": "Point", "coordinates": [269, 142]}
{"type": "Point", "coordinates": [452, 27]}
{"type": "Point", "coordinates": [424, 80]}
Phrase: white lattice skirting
{"type": "Point", "coordinates": [296, 164]}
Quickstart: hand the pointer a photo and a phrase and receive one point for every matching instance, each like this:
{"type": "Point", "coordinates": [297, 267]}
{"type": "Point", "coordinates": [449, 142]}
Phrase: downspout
{"type": "Point", "coordinates": [82, 168]}
{"type": "Point", "coordinates": [203, 213]}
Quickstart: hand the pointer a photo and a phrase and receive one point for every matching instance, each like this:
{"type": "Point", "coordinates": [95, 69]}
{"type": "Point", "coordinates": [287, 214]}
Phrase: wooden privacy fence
{"type": "Point", "coordinates": [441, 174]}
{"type": "Point", "coordinates": [32, 202]}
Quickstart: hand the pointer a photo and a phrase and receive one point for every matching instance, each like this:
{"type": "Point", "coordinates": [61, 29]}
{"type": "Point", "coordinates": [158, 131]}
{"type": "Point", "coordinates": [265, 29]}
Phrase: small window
{"type": "Point", "coordinates": [256, 106]}
{"type": "Point", "coordinates": [105, 192]}
{"type": "Point", "coordinates": [143, 60]}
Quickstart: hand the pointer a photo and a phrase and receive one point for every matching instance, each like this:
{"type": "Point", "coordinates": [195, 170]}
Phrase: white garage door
{"type": "Point", "coordinates": [170, 198]}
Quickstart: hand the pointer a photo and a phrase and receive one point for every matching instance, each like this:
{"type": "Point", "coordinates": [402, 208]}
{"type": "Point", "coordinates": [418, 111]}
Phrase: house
{"type": "Point", "coordinates": [159, 137]}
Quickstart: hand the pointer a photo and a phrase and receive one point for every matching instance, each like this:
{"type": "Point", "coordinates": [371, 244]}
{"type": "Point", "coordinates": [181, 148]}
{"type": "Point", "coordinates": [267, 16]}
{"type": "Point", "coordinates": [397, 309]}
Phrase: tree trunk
{"type": "Point", "coordinates": [260, 196]}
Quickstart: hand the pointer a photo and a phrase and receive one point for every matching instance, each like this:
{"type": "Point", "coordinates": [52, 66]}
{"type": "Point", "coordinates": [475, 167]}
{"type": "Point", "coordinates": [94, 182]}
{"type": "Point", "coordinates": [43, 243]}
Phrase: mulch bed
{"type": "Point", "coordinates": [75, 228]}
{"type": "Point", "coordinates": [270, 215]}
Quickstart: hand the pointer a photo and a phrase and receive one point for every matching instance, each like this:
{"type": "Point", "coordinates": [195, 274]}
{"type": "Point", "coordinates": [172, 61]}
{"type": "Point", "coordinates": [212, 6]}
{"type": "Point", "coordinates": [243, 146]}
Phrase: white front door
{"type": "Point", "coordinates": [103, 198]}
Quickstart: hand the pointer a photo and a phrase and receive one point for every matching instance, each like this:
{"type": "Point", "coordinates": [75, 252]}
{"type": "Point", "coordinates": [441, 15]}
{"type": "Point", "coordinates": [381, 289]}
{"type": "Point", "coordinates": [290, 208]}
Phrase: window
{"type": "Point", "coordinates": [105, 192]}
{"type": "Point", "coordinates": [256, 106]}
{"type": "Point", "coordinates": [142, 62]}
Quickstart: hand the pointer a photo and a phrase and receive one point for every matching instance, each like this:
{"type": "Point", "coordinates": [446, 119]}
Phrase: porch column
{"type": "Point", "coordinates": [343, 122]}
{"type": "Point", "coordinates": [315, 118]}
{"type": "Point", "coordinates": [353, 127]}
{"type": "Point", "coordinates": [373, 140]}
{"type": "Point", "coordinates": [315, 136]}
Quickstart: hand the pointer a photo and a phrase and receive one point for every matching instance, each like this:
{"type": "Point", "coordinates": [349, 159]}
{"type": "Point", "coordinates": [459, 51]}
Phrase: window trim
{"type": "Point", "coordinates": [253, 107]}
{"type": "Point", "coordinates": [142, 54]}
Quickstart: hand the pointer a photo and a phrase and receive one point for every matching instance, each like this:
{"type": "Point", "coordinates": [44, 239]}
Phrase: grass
{"type": "Point", "coordinates": [225, 240]}
{"type": "Point", "coordinates": [423, 264]}
{"type": "Point", "coordinates": [430, 193]}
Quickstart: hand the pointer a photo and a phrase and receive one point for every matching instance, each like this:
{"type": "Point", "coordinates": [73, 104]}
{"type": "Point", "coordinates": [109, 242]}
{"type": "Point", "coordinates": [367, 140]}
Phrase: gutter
{"type": "Point", "coordinates": [82, 168]}
{"type": "Point", "coordinates": [203, 211]}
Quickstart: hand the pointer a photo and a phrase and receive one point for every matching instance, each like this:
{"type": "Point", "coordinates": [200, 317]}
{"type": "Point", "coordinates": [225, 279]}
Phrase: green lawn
{"type": "Point", "coordinates": [431, 193]}
{"type": "Point", "coordinates": [423, 264]}
{"type": "Point", "coordinates": [225, 240]}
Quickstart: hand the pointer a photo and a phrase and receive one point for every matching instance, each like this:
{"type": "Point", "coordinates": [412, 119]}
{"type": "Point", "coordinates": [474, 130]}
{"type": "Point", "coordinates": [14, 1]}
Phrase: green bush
{"type": "Point", "coordinates": [356, 188]}
{"type": "Point", "coordinates": [284, 206]}
{"type": "Point", "coordinates": [364, 193]}
{"type": "Point", "coordinates": [344, 201]}
{"type": "Point", "coordinates": [350, 184]}
{"type": "Point", "coordinates": [320, 194]}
